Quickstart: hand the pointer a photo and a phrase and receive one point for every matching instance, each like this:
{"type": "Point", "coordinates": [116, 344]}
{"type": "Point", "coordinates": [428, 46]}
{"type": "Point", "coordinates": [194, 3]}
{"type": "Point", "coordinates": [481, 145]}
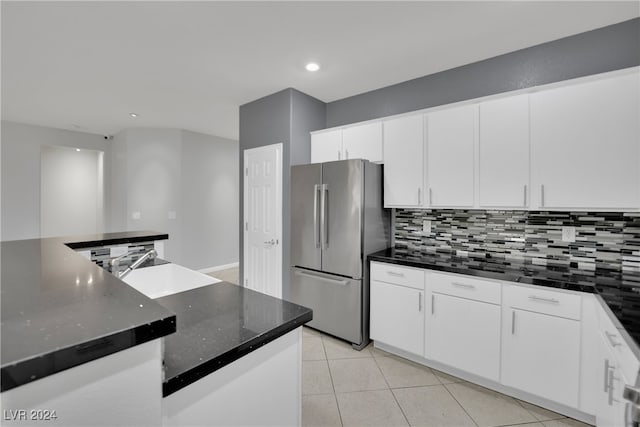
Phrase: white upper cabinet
{"type": "Point", "coordinates": [354, 142]}
{"type": "Point", "coordinates": [503, 168]}
{"type": "Point", "coordinates": [363, 142]}
{"type": "Point", "coordinates": [585, 145]}
{"type": "Point", "coordinates": [451, 136]}
{"type": "Point", "coordinates": [404, 161]}
{"type": "Point", "coordinates": [326, 146]}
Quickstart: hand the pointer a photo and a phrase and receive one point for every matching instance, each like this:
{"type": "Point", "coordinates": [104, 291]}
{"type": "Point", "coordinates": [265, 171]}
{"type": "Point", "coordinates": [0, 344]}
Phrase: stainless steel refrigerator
{"type": "Point", "coordinates": [337, 219]}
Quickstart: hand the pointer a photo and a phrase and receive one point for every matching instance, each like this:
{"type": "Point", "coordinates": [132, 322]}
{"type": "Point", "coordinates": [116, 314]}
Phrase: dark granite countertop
{"type": "Point", "coordinates": [218, 324]}
{"type": "Point", "coordinates": [620, 292]}
{"type": "Point", "coordinates": [60, 310]}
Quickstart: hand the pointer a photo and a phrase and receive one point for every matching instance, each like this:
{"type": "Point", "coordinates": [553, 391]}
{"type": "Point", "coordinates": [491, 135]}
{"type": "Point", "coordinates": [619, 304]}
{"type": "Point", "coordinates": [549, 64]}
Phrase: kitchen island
{"type": "Point", "coordinates": [81, 347]}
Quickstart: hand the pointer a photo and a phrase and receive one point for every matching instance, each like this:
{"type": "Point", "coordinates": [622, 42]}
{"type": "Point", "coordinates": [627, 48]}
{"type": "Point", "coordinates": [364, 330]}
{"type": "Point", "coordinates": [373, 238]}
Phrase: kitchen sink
{"type": "Point", "coordinates": [166, 279]}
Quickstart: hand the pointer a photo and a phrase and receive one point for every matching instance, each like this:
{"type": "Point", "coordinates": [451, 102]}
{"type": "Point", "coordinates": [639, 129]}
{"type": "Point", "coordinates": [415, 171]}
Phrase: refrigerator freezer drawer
{"type": "Point", "coordinates": [335, 301]}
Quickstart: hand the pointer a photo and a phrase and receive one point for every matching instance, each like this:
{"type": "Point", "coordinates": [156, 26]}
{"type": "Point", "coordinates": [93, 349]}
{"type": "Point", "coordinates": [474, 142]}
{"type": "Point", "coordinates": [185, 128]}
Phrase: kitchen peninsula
{"type": "Point", "coordinates": [81, 347]}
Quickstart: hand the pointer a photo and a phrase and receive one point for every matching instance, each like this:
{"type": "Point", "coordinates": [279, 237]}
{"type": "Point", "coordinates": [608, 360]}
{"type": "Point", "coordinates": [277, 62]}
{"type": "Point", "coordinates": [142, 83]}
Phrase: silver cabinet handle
{"type": "Point", "coordinates": [541, 195]}
{"type": "Point", "coordinates": [513, 322]}
{"type": "Point", "coordinates": [339, 154]}
{"type": "Point", "coordinates": [419, 196]}
{"type": "Point", "coordinates": [316, 225]}
{"type": "Point", "coordinates": [433, 304]}
{"type": "Point", "coordinates": [525, 197]}
{"type": "Point", "coordinates": [607, 368]}
{"type": "Point", "coordinates": [540, 299]}
{"type": "Point", "coordinates": [419, 301]}
{"type": "Point", "coordinates": [463, 285]}
{"type": "Point", "coordinates": [346, 154]}
{"type": "Point", "coordinates": [611, 337]}
{"type": "Point", "coordinates": [430, 196]}
{"type": "Point", "coordinates": [271, 242]}
{"type": "Point", "coordinates": [393, 273]}
{"type": "Point", "coordinates": [322, 278]}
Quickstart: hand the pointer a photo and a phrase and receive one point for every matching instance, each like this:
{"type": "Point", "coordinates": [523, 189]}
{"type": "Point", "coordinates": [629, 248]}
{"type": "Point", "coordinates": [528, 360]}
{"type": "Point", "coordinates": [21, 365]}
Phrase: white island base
{"type": "Point", "coordinates": [263, 388]}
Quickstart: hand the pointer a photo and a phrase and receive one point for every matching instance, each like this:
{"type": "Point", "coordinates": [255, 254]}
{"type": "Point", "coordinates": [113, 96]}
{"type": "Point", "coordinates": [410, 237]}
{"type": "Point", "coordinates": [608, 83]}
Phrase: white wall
{"type": "Point", "coordinates": [71, 191]}
{"type": "Point", "coordinates": [210, 192]}
{"type": "Point", "coordinates": [151, 171]}
{"type": "Point", "coordinates": [195, 176]}
{"type": "Point", "coordinates": [21, 145]}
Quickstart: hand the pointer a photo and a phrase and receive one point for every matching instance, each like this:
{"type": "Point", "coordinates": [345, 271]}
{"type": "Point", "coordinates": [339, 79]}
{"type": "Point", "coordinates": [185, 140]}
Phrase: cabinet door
{"type": "Point", "coordinates": [585, 145]}
{"type": "Point", "coordinates": [363, 142]}
{"type": "Point", "coordinates": [609, 405]}
{"type": "Point", "coordinates": [541, 355]}
{"type": "Point", "coordinates": [404, 161]}
{"type": "Point", "coordinates": [450, 156]}
{"type": "Point", "coordinates": [326, 146]}
{"type": "Point", "coordinates": [397, 316]}
{"type": "Point", "coordinates": [465, 334]}
{"type": "Point", "coordinates": [504, 152]}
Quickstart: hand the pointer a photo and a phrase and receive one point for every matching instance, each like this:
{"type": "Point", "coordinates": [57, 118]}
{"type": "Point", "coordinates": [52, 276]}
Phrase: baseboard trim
{"type": "Point", "coordinates": [218, 267]}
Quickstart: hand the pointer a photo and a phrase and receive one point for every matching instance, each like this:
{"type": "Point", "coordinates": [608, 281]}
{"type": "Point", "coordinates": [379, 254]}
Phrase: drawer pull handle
{"type": "Point", "coordinates": [525, 196]}
{"type": "Point", "coordinates": [393, 273]}
{"type": "Point", "coordinates": [513, 322]}
{"type": "Point", "coordinates": [611, 337]}
{"type": "Point", "coordinates": [419, 301]}
{"type": "Point", "coordinates": [419, 191]}
{"type": "Point", "coordinates": [433, 304]}
{"type": "Point", "coordinates": [463, 285]}
{"type": "Point", "coordinates": [540, 299]}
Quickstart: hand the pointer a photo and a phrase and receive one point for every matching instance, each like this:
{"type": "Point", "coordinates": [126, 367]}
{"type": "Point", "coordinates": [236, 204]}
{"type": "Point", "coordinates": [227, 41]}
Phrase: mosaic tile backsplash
{"type": "Point", "coordinates": [604, 240]}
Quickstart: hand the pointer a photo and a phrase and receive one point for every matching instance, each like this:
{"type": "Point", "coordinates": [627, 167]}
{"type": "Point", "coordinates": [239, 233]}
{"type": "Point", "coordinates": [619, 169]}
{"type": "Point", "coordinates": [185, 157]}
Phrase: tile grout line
{"type": "Point", "coordinates": [391, 390]}
{"type": "Point", "coordinates": [335, 395]}
{"type": "Point", "coordinates": [458, 402]}
{"type": "Point", "coordinates": [561, 417]}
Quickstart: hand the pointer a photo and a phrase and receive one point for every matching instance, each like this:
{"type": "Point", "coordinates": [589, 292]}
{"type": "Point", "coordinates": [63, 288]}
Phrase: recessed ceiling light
{"type": "Point", "coordinates": [77, 149]}
{"type": "Point", "coordinates": [134, 115]}
{"type": "Point", "coordinates": [312, 66]}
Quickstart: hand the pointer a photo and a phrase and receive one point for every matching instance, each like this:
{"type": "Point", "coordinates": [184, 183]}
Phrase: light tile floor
{"type": "Point", "coordinates": [345, 387]}
{"type": "Point", "coordinates": [229, 275]}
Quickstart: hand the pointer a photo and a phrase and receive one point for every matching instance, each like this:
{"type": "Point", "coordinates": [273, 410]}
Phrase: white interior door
{"type": "Point", "coordinates": [263, 219]}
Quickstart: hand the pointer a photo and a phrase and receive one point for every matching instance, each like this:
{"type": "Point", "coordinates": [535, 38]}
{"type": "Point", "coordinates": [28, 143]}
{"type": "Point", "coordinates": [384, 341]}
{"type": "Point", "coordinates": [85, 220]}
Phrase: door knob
{"type": "Point", "coordinates": [271, 242]}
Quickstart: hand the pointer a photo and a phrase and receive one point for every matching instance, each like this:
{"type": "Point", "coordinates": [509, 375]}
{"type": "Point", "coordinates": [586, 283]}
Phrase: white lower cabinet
{"type": "Point", "coordinates": [397, 308]}
{"type": "Point", "coordinates": [541, 354]}
{"type": "Point", "coordinates": [465, 334]}
{"type": "Point", "coordinates": [397, 316]}
{"type": "Point", "coordinates": [550, 346]}
{"type": "Point", "coordinates": [541, 343]}
{"type": "Point", "coordinates": [611, 406]}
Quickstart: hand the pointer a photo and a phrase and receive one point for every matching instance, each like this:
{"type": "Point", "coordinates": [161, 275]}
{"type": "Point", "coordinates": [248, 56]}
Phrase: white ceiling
{"type": "Point", "coordinates": [85, 65]}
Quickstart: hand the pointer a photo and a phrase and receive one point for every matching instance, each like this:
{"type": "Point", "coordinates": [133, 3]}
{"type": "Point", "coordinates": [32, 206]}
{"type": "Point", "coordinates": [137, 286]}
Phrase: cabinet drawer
{"type": "Point", "coordinates": [391, 273]}
{"type": "Point", "coordinates": [465, 287]}
{"type": "Point", "coordinates": [545, 301]}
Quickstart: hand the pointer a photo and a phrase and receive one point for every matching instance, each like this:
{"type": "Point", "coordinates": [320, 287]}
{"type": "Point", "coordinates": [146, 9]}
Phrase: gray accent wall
{"type": "Point", "coordinates": [605, 49]}
{"type": "Point", "coordinates": [284, 117]}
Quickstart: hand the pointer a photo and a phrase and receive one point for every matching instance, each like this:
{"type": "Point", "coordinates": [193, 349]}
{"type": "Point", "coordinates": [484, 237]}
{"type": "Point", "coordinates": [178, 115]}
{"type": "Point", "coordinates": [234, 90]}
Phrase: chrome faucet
{"type": "Point", "coordinates": [116, 261]}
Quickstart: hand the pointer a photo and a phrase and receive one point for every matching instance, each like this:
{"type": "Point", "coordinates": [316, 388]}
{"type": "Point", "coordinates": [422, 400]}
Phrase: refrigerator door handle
{"type": "Point", "coordinates": [316, 226]}
{"type": "Point", "coordinates": [323, 278]}
{"type": "Point", "coordinates": [324, 216]}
